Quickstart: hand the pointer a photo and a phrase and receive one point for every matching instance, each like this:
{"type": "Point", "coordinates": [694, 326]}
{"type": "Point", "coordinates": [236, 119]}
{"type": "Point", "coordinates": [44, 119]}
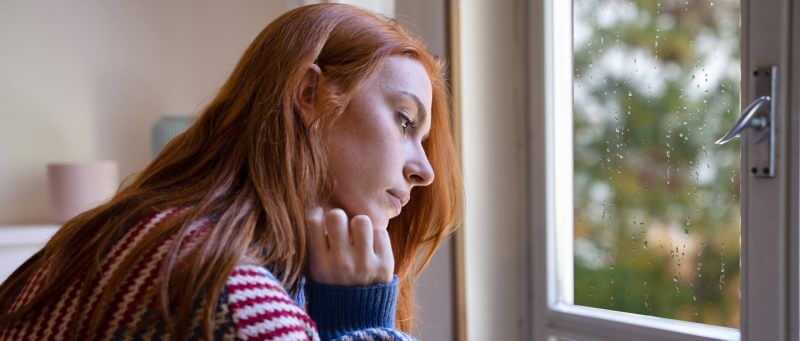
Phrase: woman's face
{"type": "Point", "coordinates": [375, 149]}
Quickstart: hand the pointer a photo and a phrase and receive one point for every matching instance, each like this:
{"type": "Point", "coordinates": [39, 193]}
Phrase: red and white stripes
{"type": "Point", "coordinates": [53, 321]}
{"type": "Point", "coordinates": [139, 281]}
{"type": "Point", "coordinates": [262, 309]}
{"type": "Point", "coordinates": [259, 306]}
{"type": "Point", "coordinates": [118, 254]}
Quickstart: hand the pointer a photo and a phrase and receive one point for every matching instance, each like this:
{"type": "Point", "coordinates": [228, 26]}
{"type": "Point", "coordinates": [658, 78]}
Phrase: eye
{"type": "Point", "coordinates": [406, 122]}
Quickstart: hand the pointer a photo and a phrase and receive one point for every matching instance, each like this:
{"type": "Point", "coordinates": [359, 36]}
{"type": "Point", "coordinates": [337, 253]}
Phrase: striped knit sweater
{"type": "Point", "coordinates": [252, 305]}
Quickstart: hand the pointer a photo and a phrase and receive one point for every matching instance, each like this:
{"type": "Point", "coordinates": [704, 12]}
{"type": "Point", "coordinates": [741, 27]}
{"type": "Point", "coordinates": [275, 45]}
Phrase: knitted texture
{"type": "Point", "coordinates": [252, 305]}
{"type": "Point", "coordinates": [262, 309]}
{"type": "Point", "coordinates": [338, 310]}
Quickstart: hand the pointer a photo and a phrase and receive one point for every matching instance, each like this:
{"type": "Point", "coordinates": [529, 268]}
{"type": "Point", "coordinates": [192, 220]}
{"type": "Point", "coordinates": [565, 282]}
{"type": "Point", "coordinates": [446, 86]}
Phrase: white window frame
{"type": "Point", "coordinates": [769, 272]}
{"type": "Point", "coordinates": [794, 182]}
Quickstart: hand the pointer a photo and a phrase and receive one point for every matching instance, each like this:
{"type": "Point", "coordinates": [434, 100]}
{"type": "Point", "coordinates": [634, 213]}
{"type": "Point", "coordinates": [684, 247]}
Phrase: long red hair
{"type": "Point", "coordinates": [250, 161]}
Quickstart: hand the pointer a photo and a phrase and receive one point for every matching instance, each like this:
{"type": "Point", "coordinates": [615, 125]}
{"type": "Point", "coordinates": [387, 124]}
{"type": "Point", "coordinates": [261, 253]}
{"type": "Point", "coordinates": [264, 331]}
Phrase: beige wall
{"type": "Point", "coordinates": [85, 80]}
{"type": "Point", "coordinates": [493, 135]}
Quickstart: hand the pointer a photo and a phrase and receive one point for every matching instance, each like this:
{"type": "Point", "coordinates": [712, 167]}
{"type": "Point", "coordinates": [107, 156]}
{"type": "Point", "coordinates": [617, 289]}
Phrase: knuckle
{"type": "Point", "coordinates": [361, 221]}
{"type": "Point", "coordinates": [361, 228]}
{"type": "Point", "coordinates": [314, 215]}
{"type": "Point", "coordinates": [313, 221]}
{"type": "Point", "coordinates": [336, 213]}
{"type": "Point", "coordinates": [336, 219]}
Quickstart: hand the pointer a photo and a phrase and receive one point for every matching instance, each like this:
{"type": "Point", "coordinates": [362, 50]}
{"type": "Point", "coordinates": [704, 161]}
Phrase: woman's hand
{"type": "Point", "coordinates": [348, 252]}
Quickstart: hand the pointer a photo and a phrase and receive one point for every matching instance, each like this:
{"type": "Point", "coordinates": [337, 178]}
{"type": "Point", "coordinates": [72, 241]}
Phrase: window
{"type": "Point", "coordinates": [643, 210]}
{"type": "Point", "coordinates": [655, 201]}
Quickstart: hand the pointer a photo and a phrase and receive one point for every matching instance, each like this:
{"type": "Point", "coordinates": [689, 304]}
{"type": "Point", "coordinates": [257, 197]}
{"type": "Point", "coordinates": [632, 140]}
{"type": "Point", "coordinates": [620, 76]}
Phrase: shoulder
{"type": "Point", "coordinates": [262, 309]}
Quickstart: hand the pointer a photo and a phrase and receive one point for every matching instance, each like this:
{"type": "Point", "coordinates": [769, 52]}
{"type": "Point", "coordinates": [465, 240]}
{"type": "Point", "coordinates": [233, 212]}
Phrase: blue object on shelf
{"type": "Point", "coordinates": [167, 128]}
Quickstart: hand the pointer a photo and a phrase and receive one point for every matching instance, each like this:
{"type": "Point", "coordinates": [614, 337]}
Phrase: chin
{"type": "Point", "coordinates": [379, 218]}
{"type": "Point", "coordinates": [379, 221]}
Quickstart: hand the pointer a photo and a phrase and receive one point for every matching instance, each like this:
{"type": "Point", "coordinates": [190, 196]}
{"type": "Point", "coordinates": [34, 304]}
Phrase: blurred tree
{"type": "Point", "coordinates": [656, 202]}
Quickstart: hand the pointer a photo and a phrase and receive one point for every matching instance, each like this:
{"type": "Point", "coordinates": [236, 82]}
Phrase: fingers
{"type": "Point", "coordinates": [337, 227]}
{"type": "Point", "coordinates": [352, 253]}
{"type": "Point", "coordinates": [383, 250]}
{"type": "Point", "coordinates": [316, 230]}
{"type": "Point", "coordinates": [361, 231]}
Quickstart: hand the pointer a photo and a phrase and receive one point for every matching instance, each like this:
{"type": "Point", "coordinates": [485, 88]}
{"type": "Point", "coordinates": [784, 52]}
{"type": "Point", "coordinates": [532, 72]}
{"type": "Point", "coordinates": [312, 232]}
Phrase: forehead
{"type": "Point", "coordinates": [400, 75]}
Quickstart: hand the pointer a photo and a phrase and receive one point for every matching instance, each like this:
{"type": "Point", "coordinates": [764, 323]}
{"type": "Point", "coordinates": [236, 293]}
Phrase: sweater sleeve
{"type": "Point", "coordinates": [354, 313]}
{"type": "Point", "coordinates": [262, 309]}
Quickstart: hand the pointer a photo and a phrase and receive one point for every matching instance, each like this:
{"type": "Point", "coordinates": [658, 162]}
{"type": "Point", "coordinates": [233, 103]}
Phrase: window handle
{"type": "Point", "coordinates": [749, 119]}
{"type": "Point", "coordinates": [760, 116]}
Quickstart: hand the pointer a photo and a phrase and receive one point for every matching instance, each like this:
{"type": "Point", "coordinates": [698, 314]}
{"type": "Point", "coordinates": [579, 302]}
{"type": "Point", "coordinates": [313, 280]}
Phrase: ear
{"type": "Point", "coordinates": [306, 95]}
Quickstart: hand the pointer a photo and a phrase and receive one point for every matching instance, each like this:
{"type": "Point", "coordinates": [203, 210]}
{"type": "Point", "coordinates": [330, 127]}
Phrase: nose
{"type": "Point", "coordinates": [418, 170]}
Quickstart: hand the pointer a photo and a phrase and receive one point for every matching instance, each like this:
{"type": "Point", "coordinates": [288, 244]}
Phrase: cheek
{"type": "Point", "coordinates": [369, 161]}
{"type": "Point", "coordinates": [366, 167]}
{"type": "Point", "coordinates": [368, 146]}
{"type": "Point", "coordinates": [364, 151]}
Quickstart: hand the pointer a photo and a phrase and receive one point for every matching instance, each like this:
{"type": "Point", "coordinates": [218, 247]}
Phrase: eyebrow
{"type": "Point", "coordinates": [420, 109]}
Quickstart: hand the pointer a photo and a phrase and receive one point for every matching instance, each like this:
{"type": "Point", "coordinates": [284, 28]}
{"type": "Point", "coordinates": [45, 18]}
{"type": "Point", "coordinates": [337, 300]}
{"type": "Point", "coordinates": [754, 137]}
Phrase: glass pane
{"type": "Point", "coordinates": [656, 201]}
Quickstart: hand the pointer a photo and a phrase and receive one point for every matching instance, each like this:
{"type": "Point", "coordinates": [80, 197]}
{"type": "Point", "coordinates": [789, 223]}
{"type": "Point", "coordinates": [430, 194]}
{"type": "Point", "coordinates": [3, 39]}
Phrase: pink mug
{"type": "Point", "coordinates": [78, 187]}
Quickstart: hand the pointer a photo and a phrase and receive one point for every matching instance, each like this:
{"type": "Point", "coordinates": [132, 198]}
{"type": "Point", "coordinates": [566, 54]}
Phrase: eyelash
{"type": "Point", "coordinates": [406, 122]}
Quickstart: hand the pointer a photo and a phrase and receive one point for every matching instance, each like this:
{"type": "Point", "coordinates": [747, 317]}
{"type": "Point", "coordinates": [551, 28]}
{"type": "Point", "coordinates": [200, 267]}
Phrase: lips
{"type": "Point", "coordinates": [402, 197]}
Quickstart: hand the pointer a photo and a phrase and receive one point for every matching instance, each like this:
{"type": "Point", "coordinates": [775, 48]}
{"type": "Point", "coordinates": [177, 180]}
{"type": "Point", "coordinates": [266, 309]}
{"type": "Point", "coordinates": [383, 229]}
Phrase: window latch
{"type": "Point", "coordinates": [759, 116]}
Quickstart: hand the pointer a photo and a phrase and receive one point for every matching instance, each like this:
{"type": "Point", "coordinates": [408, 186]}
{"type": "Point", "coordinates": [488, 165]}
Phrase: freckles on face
{"type": "Point", "coordinates": [374, 148]}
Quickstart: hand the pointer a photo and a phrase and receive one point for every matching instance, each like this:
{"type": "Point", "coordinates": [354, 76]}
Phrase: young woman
{"type": "Point", "coordinates": [302, 204]}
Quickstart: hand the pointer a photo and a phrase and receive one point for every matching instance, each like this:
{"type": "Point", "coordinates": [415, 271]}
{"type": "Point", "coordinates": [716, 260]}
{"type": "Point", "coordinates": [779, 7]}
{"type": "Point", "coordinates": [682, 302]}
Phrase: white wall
{"type": "Point", "coordinates": [85, 80]}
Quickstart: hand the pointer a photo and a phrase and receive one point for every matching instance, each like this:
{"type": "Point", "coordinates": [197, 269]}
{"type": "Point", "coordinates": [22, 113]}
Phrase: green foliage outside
{"type": "Point", "coordinates": [656, 201]}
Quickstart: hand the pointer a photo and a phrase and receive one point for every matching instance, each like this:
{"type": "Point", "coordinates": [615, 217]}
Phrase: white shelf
{"type": "Point", "coordinates": [26, 235]}
{"type": "Point", "coordinates": [19, 242]}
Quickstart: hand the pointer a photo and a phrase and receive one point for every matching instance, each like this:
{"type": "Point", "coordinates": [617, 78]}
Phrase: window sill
{"type": "Point", "coordinates": [614, 324]}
